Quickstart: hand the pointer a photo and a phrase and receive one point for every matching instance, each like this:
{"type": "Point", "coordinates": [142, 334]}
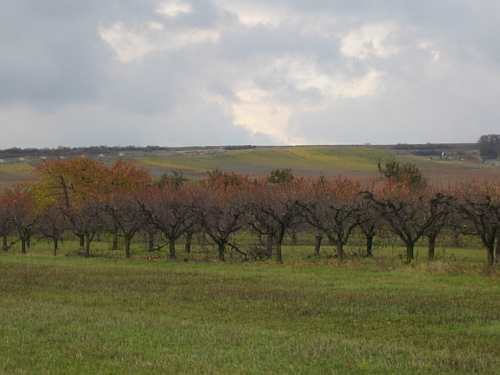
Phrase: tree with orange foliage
{"type": "Point", "coordinates": [122, 203]}
{"type": "Point", "coordinates": [78, 187]}
{"type": "Point", "coordinates": [82, 187]}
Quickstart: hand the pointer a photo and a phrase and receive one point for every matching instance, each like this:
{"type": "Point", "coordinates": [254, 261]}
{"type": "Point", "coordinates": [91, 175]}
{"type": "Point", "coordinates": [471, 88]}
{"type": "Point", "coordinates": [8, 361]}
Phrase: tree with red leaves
{"type": "Point", "coordinates": [20, 206]}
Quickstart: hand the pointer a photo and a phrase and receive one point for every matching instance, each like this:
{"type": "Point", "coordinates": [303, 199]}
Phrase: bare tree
{"type": "Point", "coordinates": [52, 224]}
{"type": "Point", "coordinates": [222, 213]}
{"type": "Point", "coordinates": [333, 209]}
{"type": "Point", "coordinates": [479, 206]}
{"type": "Point", "coordinates": [409, 211]}
{"type": "Point", "coordinates": [275, 209]}
{"type": "Point", "coordinates": [124, 216]}
{"type": "Point", "coordinates": [171, 209]}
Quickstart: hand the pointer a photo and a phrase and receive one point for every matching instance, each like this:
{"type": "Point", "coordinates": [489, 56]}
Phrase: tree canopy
{"type": "Point", "coordinates": [489, 146]}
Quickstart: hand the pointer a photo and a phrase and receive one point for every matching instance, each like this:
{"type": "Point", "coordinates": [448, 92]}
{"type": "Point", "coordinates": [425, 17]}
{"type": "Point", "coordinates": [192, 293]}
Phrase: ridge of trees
{"type": "Point", "coordinates": [489, 146]}
{"type": "Point", "coordinates": [16, 152]}
{"type": "Point", "coordinates": [86, 197]}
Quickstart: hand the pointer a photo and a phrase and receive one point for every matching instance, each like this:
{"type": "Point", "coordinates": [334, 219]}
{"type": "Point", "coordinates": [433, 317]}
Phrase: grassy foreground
{"type": "Point", "coordinates": [62, 315]}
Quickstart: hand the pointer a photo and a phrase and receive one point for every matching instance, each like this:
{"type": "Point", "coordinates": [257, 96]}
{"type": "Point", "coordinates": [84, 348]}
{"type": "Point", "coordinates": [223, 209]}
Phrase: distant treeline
{"type": "Point", "coordinates": [435, 149]}
{"type": "Point", "coordinates": [427, 146]}
{"type": "Point", "coordinates": [16, 152]}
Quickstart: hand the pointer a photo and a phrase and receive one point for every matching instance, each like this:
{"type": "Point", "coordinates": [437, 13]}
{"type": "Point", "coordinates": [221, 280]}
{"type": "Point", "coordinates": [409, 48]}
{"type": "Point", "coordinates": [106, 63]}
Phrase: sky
{"type": "Point", "coordinates": [79, 73]}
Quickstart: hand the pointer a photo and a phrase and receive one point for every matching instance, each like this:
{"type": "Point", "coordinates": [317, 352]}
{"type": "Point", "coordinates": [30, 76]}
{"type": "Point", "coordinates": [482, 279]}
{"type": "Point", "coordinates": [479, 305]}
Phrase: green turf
{"type": "Point", "coordinates": [147, 315]}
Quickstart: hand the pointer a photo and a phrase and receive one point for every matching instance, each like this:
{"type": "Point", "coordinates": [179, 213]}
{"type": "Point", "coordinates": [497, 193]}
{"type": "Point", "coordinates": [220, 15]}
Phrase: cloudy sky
{"type": "Point", "coordinates": [260, 72]}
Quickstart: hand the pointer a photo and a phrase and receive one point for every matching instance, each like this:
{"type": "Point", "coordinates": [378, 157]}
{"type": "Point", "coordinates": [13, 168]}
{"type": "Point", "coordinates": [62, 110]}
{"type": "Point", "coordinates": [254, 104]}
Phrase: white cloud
{"type": "Point", "coordinates": [430, 47]}
{"type": "Point", "coordinates": [133, 44]}
{"type": "Point", "coordinates": [372, 40]}
{"type": "Point", "coordinates": [254, 13]}
{"type": "Point", "coordinates": [174, 8]}
{"type": "Point", "coordinates": [269, 111]}
{"type": "Point", "coordinates": [127, 44]}
{"type": "Point", "coordinates": [363, 86]}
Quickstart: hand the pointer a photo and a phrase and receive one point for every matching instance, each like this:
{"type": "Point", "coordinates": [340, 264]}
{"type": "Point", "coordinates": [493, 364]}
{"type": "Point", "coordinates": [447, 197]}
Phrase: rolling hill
{"type": "Point", "coordinates": [439, 162]}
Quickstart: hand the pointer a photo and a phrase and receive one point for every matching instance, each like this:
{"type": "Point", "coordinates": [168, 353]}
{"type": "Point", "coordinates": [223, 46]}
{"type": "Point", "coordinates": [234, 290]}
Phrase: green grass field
{"type": "Point", "coordinates": [147, 315]}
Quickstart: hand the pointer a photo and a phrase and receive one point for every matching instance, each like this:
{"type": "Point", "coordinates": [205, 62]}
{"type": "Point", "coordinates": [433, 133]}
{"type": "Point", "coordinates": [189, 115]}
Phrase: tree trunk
{"type": "Point", "coordinates": [5, 247]}
{"type": "Point", "coordinates": [189, 239]}
{"type": "Point", "coordinates": [23, 245]}
{"type": "Point", "coordinates": [171, 246]}
{"type": "Point", "coordinates": [128, 240]}
{"type": "Point", "coordinates": [222, 249]}
{"type": "Point", "coordinates": [432, 246]}
{"type": "Point", "coordinates": [151, 242]}
{"type": "Point", "coordinates": [114, 246]}
{"type": "Point", "coordinates": [455, 237]}
{"type": "Point", "coordinates": [293, 236]}
{"type": "Point", "coordinates": [279, 256]}
{"type": "Point", "coordinates": [489, 243]}
{"type": "Point", "coordinates": [82, 240]}
{"type": "Point", "coordinates": [491, 254]}
{"type": "Point", "coordinates": [317, 245]}
{"type": "Point", "coordinates": [55, 239]}
{"type": "Point", "coordinates": [340, 251]}
{"type": "Point", "coordinates": [497, 250]}
{"type": "Point", "coordinates": [87, 245]}
{"type": "Point", "coordinates": [269, 245]}
{"type": "Point", "coordinates": [369, 245]}
{"type": "Point", "coordinates": [409, 251]}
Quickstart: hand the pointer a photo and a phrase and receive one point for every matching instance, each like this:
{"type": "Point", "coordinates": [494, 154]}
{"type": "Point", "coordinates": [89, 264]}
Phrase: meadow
{"type": "Point", "coordinates": [149, 315]}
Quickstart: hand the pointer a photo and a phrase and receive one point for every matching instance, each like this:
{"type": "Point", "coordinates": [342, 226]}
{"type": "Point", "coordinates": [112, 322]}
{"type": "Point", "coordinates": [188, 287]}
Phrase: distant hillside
{"type": "Point", "coordinates": [312, 160]}
{"type": "Point", "coordinates": [438, 161]}
{"type": "Point", "coordinates": [13, 173]}
{"type": "Point", "coordinates": [360, 162]}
